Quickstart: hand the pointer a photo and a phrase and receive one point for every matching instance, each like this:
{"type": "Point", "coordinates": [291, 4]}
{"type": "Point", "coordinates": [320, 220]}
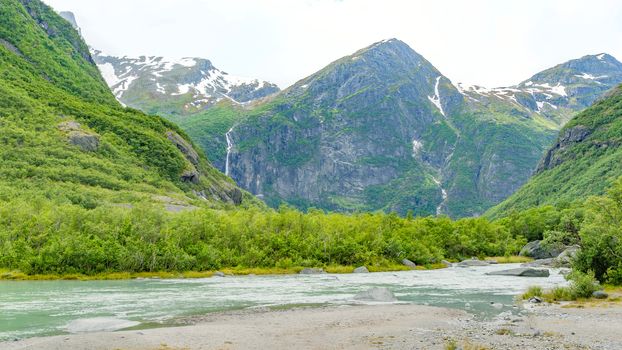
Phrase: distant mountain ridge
{"type": "Point", "coordinates": [585, 160]}
{"type": "Point", "coordinates": [384, 129]}
{"type": "Point", "coordinates": [557, 92]}
{"type": "Point", "coordinates": [175, 86]}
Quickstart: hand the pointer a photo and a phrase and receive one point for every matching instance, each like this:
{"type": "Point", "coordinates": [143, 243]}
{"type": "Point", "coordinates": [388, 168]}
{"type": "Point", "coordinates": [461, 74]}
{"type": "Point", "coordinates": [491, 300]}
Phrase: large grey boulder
{"type": "Point", "coordinates": [537, 250]}
{"type": "Point", "coordinates": [408, 263]}
{"type": "Point", "coordinates": [311, 271]}
{"type": "Point", "coordinates": [86, 140]}
{"type": "Point", "coordinates": [599, 294]}
{"type": "Point", "coordinates": [361, 269]}
{"type": "Point", "coordinates": [521, 272]}
{"type": "Point", "coordinates": [99, 324]}
{"type": "Point", "coordinates": [380, 294]}
{"type": "Point", "coordinates": [539, 263]}
{"type": "Point", "coordinates": [565, 258]}
{"type": "Point", "coordinates": [191, 175]}
{"type": "Point", "coordinates": [472, 262]}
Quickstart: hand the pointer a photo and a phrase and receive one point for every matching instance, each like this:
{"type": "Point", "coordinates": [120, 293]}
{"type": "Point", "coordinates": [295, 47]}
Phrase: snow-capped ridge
{"type": "Point", "coordinates": [167, 76]}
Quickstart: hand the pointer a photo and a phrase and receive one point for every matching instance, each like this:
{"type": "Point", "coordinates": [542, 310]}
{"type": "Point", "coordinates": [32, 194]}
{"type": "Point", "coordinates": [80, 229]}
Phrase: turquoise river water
{"type": "Point", "coordinates": [39, 308]}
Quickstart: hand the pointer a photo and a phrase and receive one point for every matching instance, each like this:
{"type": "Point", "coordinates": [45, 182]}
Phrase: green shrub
{"type": "Point", "coordinates": [582, 285]}
{"type": "Point", "coordinates": [533, 291]}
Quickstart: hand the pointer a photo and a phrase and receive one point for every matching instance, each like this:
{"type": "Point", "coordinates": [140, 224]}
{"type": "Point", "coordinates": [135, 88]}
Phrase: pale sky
{"type": "Point", "coordinates": [484, 42]}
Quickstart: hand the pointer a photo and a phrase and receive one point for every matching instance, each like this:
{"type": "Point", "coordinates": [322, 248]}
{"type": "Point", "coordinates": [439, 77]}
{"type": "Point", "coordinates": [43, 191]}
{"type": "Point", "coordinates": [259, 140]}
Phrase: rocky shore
{"type": "Point", "coordinates": [387, 326]}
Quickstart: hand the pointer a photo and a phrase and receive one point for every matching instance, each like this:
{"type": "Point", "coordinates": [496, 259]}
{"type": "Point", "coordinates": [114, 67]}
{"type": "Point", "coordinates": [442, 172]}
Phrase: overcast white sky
{"type": "Point", "coordinates": [485, 42]}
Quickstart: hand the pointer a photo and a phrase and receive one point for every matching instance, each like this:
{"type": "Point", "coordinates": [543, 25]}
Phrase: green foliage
{"type": "Point", "coordinates": [582, 285]}
{"type": "Point", "coordinates": [533, 291]}
{"type": "Point", "coordinates": [584, 168]}
{"type": "Point", "coordinates": [40, 237]}
{"type": "Point", "coordinates": [47, 79]}
{"type": "Point", "coordinates": [601, 236]}
{"type": "Point", "coordinates": [552, 224]}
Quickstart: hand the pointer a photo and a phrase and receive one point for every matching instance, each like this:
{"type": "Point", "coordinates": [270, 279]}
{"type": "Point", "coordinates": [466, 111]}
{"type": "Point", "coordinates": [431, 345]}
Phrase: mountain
{"type": "Point", "coordinates": [556, 93]}
{"type": "Point", "coordinates": [585, 160]}
{"type": "Point", "coordinates": [65, 138]}
{"type": "Point", "coordinates": [175, 87]}
{"type": "Point", "coordinates": [383, 129]}
{"type": "Point", "coordinates": [380, 129]}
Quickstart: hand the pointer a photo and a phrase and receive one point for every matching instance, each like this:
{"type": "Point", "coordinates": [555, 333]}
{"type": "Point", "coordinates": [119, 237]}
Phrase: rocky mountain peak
{"type": "Point", "coordinates": [591, 69]}
{"type": "Point", "coordinates": [71, 18]}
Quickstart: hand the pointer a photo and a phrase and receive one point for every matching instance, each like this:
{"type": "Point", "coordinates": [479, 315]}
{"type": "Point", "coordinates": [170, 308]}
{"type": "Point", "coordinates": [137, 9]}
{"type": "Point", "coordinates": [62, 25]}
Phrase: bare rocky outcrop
{"type": "Point", "coordinates": [521, 272]}
{"type": "Point", "coordinates": [537, 250]}
{"type": "Point", "coordinates": [184, 146]}
{"type": "Point", "coordinates": [378, 294]}
{"type": "Point", "coordinates": [11, 47]}
{"type": "Point", "coordinates": [76, 135]}
{"type": "Point", "coordinates": [555, 155]}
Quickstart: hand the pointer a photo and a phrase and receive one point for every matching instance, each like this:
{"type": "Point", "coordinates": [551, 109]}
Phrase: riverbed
{"type": "Point", "coordinates": [43, 308]}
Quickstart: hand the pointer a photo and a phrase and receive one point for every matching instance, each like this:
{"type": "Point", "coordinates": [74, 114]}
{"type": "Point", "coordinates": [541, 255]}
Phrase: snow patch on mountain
{"type": "Point", "coordinates": [590, 76]}
{"type": "Point", "coordinates": [436, 99]}
{"type": "Point", "coordinates": [179, 76]}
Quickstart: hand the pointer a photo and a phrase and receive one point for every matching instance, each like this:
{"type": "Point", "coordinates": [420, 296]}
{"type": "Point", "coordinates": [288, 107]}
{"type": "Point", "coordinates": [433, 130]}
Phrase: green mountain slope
{"type": "Point", "coordinates": [379, 129]}
{"type": "Point", "coordinates": [585, 160]}
{"type": "Point", "coordinates": [64, 137]}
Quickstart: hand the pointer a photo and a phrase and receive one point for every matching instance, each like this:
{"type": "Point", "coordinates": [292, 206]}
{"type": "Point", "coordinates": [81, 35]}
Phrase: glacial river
{"type": "Point", "coordinates": [40, 308]}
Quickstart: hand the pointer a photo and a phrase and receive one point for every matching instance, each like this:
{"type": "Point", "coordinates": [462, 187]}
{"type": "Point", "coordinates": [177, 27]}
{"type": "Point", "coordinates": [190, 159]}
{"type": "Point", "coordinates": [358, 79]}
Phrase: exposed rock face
{"type": "Point", "coordinates": [184, 146]}
{"type": "Point", "coordinates": [311, 271]}
{"type": "Point", "coordinates": [521, 272]}
{"type": "Point", "coordinates": [190, 176]}
{"type": "Point", "coordinates": [11, 47]}
{"type": "Point", "coordinates": [71, 18]}
{"type": "Point", "coordinates": [540, 263]}
{"type": "Point", "coordinates": [408, 263]}
{"type": "Point", "coordinates": [472, 262]}
{"type": "Point", "coordinates": [379, 294]}
{"type": "Point", "coordinates": [555, 155]}
{"type": "Point", "coordinates": [564, 259]}
{"type": "Point", "coordinates": [537, 250]}
{"type": "Point", "coordinates": [77, 136]}
{"type": "Point", "coordinates": [383, 129]}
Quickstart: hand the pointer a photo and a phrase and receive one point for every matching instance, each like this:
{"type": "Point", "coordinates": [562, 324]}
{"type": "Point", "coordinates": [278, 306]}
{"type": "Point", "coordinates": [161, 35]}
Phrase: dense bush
{"type": "Point", "coordinates": [601, 236]}
{"type": "Point", "coordinates": [41, 237]}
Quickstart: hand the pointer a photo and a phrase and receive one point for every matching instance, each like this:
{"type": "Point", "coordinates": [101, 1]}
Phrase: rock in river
{"type": "Point", "coordinates": [537, 250]}
{"type": "Point", "coordinates": [473, 262]}
{"type": "Point", "coordinates": [312, 271]}
{"type": "Point", "coordinates": [409, 263]}
{"type": "Point", "coordinates": [522, 272]}
{"type": "Point", "coordinates": [99, 324]}
{"type": "Point", "coordinates": [376, 294]}
{"type": "Point", "coordinates": [361, 269]}
{"type": "Point", "coordinates": [599, 294]}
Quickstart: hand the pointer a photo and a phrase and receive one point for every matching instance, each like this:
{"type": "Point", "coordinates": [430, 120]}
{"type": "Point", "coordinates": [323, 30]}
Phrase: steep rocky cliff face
{"type": "Point", "coordinates": [585, 160]}
{"type": "Point", "coordinates": [383, 129]}
{"type": "Point", "coordinates": [368, 132]}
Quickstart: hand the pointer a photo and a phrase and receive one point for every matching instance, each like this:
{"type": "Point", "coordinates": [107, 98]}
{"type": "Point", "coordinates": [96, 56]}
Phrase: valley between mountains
{"type": "Point", "coordinates": [381, 129]}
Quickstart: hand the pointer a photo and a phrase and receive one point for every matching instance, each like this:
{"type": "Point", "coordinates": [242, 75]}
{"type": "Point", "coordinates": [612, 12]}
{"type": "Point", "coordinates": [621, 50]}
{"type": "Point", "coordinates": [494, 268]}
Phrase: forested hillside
{"type": "Point", "coordinates": [64, 137]}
